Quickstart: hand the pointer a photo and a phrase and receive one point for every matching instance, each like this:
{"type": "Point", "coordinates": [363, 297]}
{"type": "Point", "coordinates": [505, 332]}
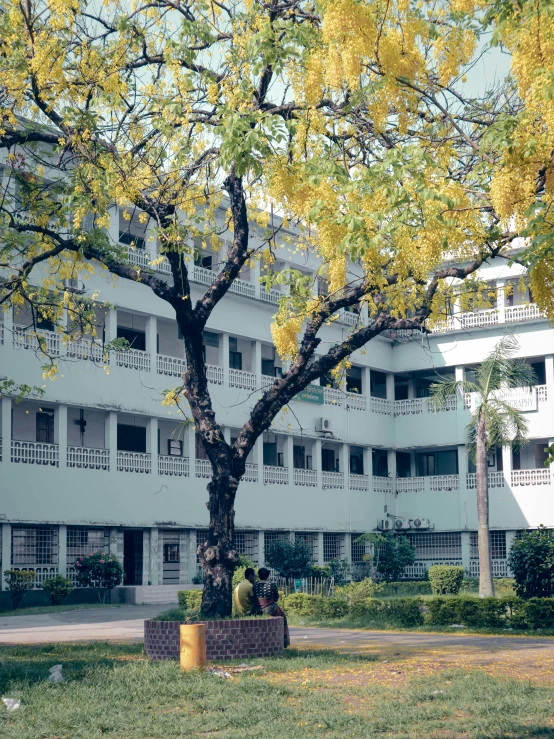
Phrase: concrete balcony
{"type": "Point", "coordinates": [35, 341]}
{"type": "Point", "coordinates": [214, 374]}
{"type": "Point", "coordinates": [174, 466]}
{"type": "Point", "coordinates": [275, 475]}
{"type": "Point", "coordinates": [87, 350]}
{"type": "Point", "coordinates": [358, 482]}
{"type": "Point", "coordinates": [88, 458]}
{"type": "Point", "coordinates": [243, 379]}
{"type": "Point", "coordinates": [170, 366]}
{"type": "Point", "coordinates": [305, 478]}
{"type": "Point", "coordinates": [134, 359]}
{"type": "Point", "coordinates": [332, 480]}
{"type": "Point", "coordinates": [134, 462]}
{"type": "Point", "coordinates": [34, 452]}
{"type": "Point", "coordinates": [251, 473]}
{"type": "Point", "coordinates": [203, 468]}
{"type": "Point", "coordinates": [435, 483]}
{"type": "Point", "coordinates": [541, 476]}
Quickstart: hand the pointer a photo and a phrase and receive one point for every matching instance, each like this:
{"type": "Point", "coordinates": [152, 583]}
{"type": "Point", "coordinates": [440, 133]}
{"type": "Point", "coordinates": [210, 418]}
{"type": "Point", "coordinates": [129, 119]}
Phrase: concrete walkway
{"type": "Point", "coordinates": [126, 624]}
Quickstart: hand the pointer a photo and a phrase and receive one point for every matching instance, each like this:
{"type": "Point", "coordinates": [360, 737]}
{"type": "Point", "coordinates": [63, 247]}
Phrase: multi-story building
{"type": "Point", "coordinates": [100, 463]}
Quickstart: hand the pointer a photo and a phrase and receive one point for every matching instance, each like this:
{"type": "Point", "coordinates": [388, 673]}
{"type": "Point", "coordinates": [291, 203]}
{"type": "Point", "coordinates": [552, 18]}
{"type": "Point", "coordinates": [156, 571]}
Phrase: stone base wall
{"type": "Point", "coordinates": [229, 639]}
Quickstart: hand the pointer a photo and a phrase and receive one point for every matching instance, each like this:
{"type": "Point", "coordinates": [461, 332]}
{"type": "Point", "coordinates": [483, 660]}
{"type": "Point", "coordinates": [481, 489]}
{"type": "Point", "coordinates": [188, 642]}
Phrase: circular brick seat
{"type": "Point", "coordinates": [229, 639]}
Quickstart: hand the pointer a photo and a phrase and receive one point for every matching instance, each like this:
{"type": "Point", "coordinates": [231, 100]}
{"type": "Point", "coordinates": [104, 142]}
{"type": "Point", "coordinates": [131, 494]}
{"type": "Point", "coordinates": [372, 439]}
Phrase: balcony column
{"type": "Point", "coordinates": [6, 553]}
{"type": "Point", "coordinates": [155, 545]}
{"type": "Point", "coordinates": [6, 432]}
{"type": "Point", "coordinates": [261, 548]}
{"type": "Point", "coordinates": [459, 374]}
{"type": "Point", "coordinates": [320, 558]}
{"type": "Point", "coordinates": [62, 551]}
{"type": "Point", "coordinates": [549, 372]}
{"type": "Point", "coordinates": [225, 358]}
{"type": "Point", "coordinates": [257, 361]}
{"type": "Point", "coordinates": [366, 383]}
{"type": "Point", "coordinates": [256, 274]}
{"type": "Point", "coordinates": [316, 461]}
{"type": "Point", "coordinates": [466, 501]}
{"type": "Point", "coordinates": [113, 229]}
{"type": "Point", "coordinates": [466, 551]}
{"type": "Point", "coordinates": [367, 457]}
{"type": "Point", "coordinates": [258, 458]}
{"type": "Point", "coordinates": [110, 333]}
{"type": "Point", "coordinates": [413, 470]}
{"type": "Point", "coordinates": [457, 313]}
{"type": "Point", "coordinates": [391, 464]}
{"type": "Point", "coordinates": [507, 464]}
{"type": "Point", "coordinates": [390, 386]}
{"type": "Point", "coordinates": [289, 457]}
{"type": "Point", "coordinates": [152, 341]}
{"type": "Point", "coordinates": [344, 459]}
{"type": "Point", "coordinates": [501, 300]}
{"type": "Point", "coordinates": [152, 443]}
{"type": "Point", "coordinates": [411, 393]}
{"type": "Point", "coordinates": [110, 438]}
{"type": "Point", "coordinates": [60, 434]}
{"type": "Point", "coordinates": [146, 557]}
{"type": "Point", "coordinates": [348, 549]}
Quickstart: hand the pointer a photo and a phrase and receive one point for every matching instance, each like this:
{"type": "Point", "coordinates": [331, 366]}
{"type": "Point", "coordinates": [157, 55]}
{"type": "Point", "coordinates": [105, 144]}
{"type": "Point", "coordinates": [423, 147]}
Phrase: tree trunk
{"type": "Point", "coordinates": [217, 554]}
{"type": "Point", "coordinates": [486, 585]}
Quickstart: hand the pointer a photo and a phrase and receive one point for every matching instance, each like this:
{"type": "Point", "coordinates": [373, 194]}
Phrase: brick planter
{"type": "Point", "coordinates": [230, 639]}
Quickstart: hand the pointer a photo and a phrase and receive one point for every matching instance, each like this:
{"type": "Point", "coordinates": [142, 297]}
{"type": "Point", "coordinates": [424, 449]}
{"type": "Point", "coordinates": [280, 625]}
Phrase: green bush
{"type": "Point", "coordinates": [537, 613]}
{"type": "Point", "coordinates": [18, 582]}
{"type": "Point", "coordinates": [403, 589]}
{"type": "Point", "coordinates": [290, 560]}
{"type": "Point", "coordinates": [300, 604]}
{"type": "Point", "coordinates": [403, 612]}
{"type": "Point", "coordinates": [321, 571]}
{"type": "Point", "coordinates": [331, 608]}
{"type": "Point", "coordinates": [356, 591]}
{"type": "Point", "coordinates": [58, 588]}
{"type": "Point", "coordinates": [467, 610]}
{"type": "Point", "coordinates": [99, 570]}
{"type": "Point", "coordinates": [531, 559]}
{"type": "Point", "coordinates": [445, 580]}
{"type": "Point", "coordinates": [190, 600]}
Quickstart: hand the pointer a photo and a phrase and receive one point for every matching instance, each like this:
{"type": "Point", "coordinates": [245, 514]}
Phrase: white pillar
{"type": "Point", "coordinates": [411, 393]}
{"type": "Point", "coordinates": [152, 443]}
{"type": "Point", "coordinates": [257, 361]}
{"type": "Point", "coordinates": [6, 432]}
{"type": "Point", "coordinates": [154, 556]}
{"type": "Point", "coordinates": [225, 357]}
{"type": "Point", "coordinates": [114, 223]}
{"type": "Point", "coordinates": [111, 325]}
{"type": "Point", "coordinates": [466, 551]}
{"type": "Point", "coordinates": [261, 548]}
{"type": "Point", "coordinates": [152, 340]}
{"type": "Point", "coordinates": [462, 466]}
{"type": "Point", "coordinates": [390, 386]}
{"type": "Point", "coordinates": [320, 560]}
{"type": "Point", "coordinates": [190, 447]}
{"type": "Point", "coordinates": [60, 433]}
{"type": "Point", "coordinates": [110, 438]}
{"type": "Point", "coordinates": [501, 300]}
{"type": "Point", "coordinates": [146, 556]}
{"type": "Point", "coordinates": [507, 465]}
{"type": "Point", "coordinates": [367, 454]}
{"type": "Point", "coordinates": [459, 374]}
{"type": "Point", "coordinates": [258, 458]}
{"type": "Point", "coordinates": [366, 382]}
{"type": "Point", "coordinates": [227, 434]}
{"type": "Point", "coordinates": [6, 553]}
{"type": "Point", "coordinates": [7, 320]}
{"type": "Point", "coordinates": [549, 372]}
{"type": "Point", "coordinates": [344, 462]}
{"type": "Point", "coordinates": [391, 463]}
{"type": "Point", "coordinates": [183, 557]}
{"type": "Point", "coordinates": [348, 548]}
{"type": "Point", "coordinates": [289, 456]}
{"type": "Point", "coordinates": [62, 551]}
{"type": "Point", "coordinates": [256, 274]}
{"type": "Point", "coordinates": [316, 461]}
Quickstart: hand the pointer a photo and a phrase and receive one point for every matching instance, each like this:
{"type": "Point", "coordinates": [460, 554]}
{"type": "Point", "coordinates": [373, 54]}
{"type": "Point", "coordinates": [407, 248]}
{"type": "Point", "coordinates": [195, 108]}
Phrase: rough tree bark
{"type": "Point", "coordinates": [486, 585]}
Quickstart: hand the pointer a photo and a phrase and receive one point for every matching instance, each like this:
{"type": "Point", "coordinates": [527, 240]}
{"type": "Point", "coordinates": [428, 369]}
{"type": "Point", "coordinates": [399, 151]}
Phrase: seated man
{"type": "Point", "coordinates": [244, 600]}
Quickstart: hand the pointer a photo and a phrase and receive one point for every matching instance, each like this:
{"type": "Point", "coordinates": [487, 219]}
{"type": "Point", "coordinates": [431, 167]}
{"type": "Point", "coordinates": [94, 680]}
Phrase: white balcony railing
{"type": "Point", "coordinates": [531, 477]}
{"type": "Point", "coordinates": [88, 458]}
{"type": "Point", "coordinates": [134, 462]}
{"type": "Point", "coordinates": [481, 318]}
{"type": "Point", "coordinates": [356, 401]}
{"type": "Point", "coordinates": [446, 324]}
{"type": "Point", "coordinates": [268, 381]}
{"type": "Point", "coordinates": [444, 482]}
{"type": "Point", "coordinates": [410, 484]}
{"type": "Point", "coordinates": [163, 267]}
{"type": "Point", "coordinates": [305, 478]}
{"type": "Point", "coordinates": [35, 452]}
{"type": "Point", "coordinates": [542, 393]}
{"type": "Point", "coordinates": [173, 466]}
{"type": "Point", "coordinates": [250, 473]}
{"type": "Point", "coordinates": [383, 484]}
{"type": "Point", "coordinates": [332, 480]}
{"type": "Point", "coordinates": [333, 396]}
{"type": "Point", "coordinates": [521, 312]}
{"type": "Point", "coordinates": [214, 374]}
{"type": "Point", "coordinates": [137, 256]}
{"type": "Point", "coordinates": [495, 480]}
{"type": "Point", "coordinates": [271, 296]}
{"type": "Point", "coordinates": [242, 379]}
{"type": "Point", "coordinates": [275, 475]}
{"type": "Point", "coordinates": [380, 405]}
{"type": "Point", "coordinates": [244, 288]}
{"type": "Point", "coordinates": [86, 349]}
{"type": "Point", "coordinates": [203, 468]}
{"type": "Point", "coordinates": [358, 482]}
{"type": "Point", "coordinates": [499, 568]}
{"type": "Point", "coordinates": [409, 407]}
{"type": "Point", "coordinates": [47, 341]}
{"type": "Point", "coordinates": [203, 276]}
{"type": "Point", "coordinates": [349, 318]}
{"type": "Point", "coordinates": [171, 366]}
{"type": "Point", "coordinates": [42, 573]}
{"type": "Point", "coordinates": [133, 359]}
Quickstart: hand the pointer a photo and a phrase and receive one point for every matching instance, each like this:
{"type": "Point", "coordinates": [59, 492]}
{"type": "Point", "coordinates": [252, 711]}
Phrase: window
{"type": "Point", "coordinates": [328, 463]}
{"type": "Point", "coordinates": [540, 371]}
{"type": "Point", "coordinates": [380, 463]}
{"type": "Point", "coordinates": [45, 426]}
{"type": "Point", "coordinates": [171, 553]}
{"type": "Point", "coordinates": [423, 388]}
{"type": "Point", "coordinates": [246, 542]}
{"type": "Point", "coordinates": [403, 464]}
{"type": "Point", "coordinates": [497, 542]}
{"type": "Point", "coordinates": [272, 536]}
{"type": "Point", "coordinates": [328, 380]}
{"type": "Point", "coordinates": [356, 461]}
{"type": "Point", "coordinates": [199, 451]}
{"type": "Point", "coordinates": [401, 388]}
{"type": "Point", "coordinates": [131, 438]}
{"type": "Point", "coordinates": [34, 545]}
{"type": "Point", "coordinates": [235, 360]}
{"type": "Point", "coordinates": [437, 463]}
{"type": "Point", "coordinates": [137, 339]}
{"type": "Point", "coordinates": [132, 231]}
{"type": "Point", "coordinates": [333, 547]}
{"type": "Point", "coordinates": [437, 546]}
{"type": "Point", "coordinates": [269, 369]}
{"type": "Point", "coordinates": [270, 454]}
{"type": "Point", "coordinates": [81, 540]}
{"type": "Point", "coordinates": [354, 380]}
{"type": "Point", "coordinates": [378, 384]}
{"type": "Point", "coordinates": [299, 457]}
{"type": "Point", "coordinates": [312, 540]}
{"type": "Point", "coordinates": [358, 549]}
{"type": "Point", "coordinates": [174, 447]}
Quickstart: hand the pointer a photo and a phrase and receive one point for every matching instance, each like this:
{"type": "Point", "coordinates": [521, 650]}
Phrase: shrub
{"type": "Point", "coordinates": [198, 578]}
{"type": "Point", "coordinates": [356, 591]}
{"type": "Point", "coordinates": [390, 556]}
{"type": "Point", "coordinates": [18, 582]}
{"type": "Point", "coordinates": [190, 600]}
{"type": "Point", "coordinates": [403, 612]}
{"type": "Point", "coordinates": [301, 604]}
{"type": "Point", "coordinates": [331, 608]}
{"type": "Point", "coordinates": [466, 610]}
{"type": "Point", "coordinates": [445, 580]}
{"type": "Point", "coordinates": [58, 588]}
{"type": "Point", "coordinates": [290, 560]}
{"type": "Point", "coordinates": [99, 570]}
{"type": "Point", "coordinates": [531, 559]}
{"type": "Point", "coordinates": [318, 571]}
{"type": "Point", "coordinates": [339, 570]}
{"type": "Point", "coordinates": [403, 589]}
{"type": "Point", "coordinates": [537, 613]}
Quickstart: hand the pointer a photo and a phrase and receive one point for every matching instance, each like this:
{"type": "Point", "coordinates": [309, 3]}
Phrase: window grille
{"type": "Point", "coordinates": [358, 549]}
{"type": "Point", "coordinates": [498, 545]}
{"type": "Point", "coordinates": [201, 535]}
{"type": "Point", "coordinates": [333, 547]}
{"type": "Point", "coordinates": [272, 536]}
{"type": "Point", "coordinates": [34, 545]}
{"type": "Point", "coordinates": [81, 541]}
{"type": "Point", "coordinates": [246, 542]}
{"type": "Point", "coordinates": [312, 540]}
{"type": "Point", "coordinates": [447, 545]}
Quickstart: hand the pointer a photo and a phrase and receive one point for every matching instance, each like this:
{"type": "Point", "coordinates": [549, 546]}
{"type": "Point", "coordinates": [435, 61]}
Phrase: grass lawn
{"type": "Point", "coordinates": [38, 610]}
{"type": "Point", "coordinates": [114, 691]}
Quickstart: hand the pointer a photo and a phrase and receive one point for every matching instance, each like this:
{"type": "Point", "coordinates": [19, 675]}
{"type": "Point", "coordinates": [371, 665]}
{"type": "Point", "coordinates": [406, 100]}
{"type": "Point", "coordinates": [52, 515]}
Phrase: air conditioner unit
{"type": "Point", "coordinates": [325, 425]}
{"type": "Point", "coordinates": [74, 286]}
{"type": "Point", "coordinates": [387, 524]}
{"type": "Point", "coordinates": [421, 523]}
{"type": "Point", "coordinates": [401, 523]}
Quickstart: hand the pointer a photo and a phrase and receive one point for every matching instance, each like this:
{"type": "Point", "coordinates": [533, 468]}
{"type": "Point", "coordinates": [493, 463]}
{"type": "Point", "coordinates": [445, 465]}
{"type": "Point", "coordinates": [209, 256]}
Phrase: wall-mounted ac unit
{"type": "Point", "coordinates": [74, 286]}
{"type": "Point", "coordinates": [421, 523]}
{"type": "Point", "coordinates": [325, 425]}
{"type": "Point", "coordinates": [401, 523]}
{"type": "Point", "coordinates": [387, 524]}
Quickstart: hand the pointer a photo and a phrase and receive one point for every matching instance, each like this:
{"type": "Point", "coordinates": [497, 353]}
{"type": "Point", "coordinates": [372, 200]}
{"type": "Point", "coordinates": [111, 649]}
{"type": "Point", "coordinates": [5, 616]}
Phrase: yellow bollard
{"type": "Point", "coordinates": [192, 645]}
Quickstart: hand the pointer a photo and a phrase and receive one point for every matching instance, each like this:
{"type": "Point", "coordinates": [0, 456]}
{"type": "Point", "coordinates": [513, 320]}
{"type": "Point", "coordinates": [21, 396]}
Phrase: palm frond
{"type": "Point", "coordinates": [443, 390]}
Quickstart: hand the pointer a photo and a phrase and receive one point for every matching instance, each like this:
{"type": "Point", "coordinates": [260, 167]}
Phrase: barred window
{"type": "Point", "coordinates": [34, 545]}
{"type": "Point", "coordinates": [246, 542]}
{"type": "Point", "coordinates": [446, 545]}
{"type": "Point", "coordinates": [498, 545]}
{"type": "Point", "coordinates": [312, 540]}
{"type": "Point", "coordinates": [82, 540]}
{"type": "Point", "coordinates": [333, 547]}
{"type": "Point", "coordinates": [201, 535]}
{"type": "Point", "coordinates": [358, 549]}
{"type": "Point", "coordinates": [272, 536]}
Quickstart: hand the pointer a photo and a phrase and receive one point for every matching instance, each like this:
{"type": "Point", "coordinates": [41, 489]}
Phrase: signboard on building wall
{"type": "Point", "coordinates": [311, 394]}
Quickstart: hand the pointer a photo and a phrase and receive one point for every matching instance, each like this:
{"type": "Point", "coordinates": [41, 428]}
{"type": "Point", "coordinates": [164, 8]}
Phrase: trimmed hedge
{"type": "Point", "coordinates": [315, 606]}
{"type": "Point", "coordinates": [445, 579]}
{"type": "Point", "coordinates": [466, 610]}
{"type": "Point", "coordinates": [405, 612]}
{"type": "Point", "coordinates": [190, 600]}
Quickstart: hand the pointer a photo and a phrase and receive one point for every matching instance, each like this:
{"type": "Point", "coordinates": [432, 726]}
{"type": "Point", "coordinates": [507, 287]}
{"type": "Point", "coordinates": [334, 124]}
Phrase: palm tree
{"type": "Point", "coordinates": [494, 423]}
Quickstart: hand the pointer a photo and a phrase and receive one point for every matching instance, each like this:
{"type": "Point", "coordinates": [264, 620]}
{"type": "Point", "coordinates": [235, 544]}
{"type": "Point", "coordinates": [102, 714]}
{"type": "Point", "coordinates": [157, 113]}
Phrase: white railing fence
{"type": "Point", "coordinates": [203, 468]}
{"type": "Point", "coordinates": [214, 374]}
{"type": "Point", "coordinates": [244, 288]}
{"type": "Point", "coordinates": [410, 484]}
{"type": "Point", "coordinates": [333, 396]}
{"type": "Point", "coordinates": [134, 462]}
{"type": "Point", "coordinates": [242, 379]}
{"type": "Point", "coordinates": [35, 452]}
{"type": "Point", "coordinates": [305, 478]}
{"type": "Point", "coordinates": [332, 480]}
{"type": "Point", "coordinates": [539, 476]}
{"type": "Point", "coordinates": [86, 349]}
{"type": "Point", "coordinates": [275, 475]}
{"type": "Point", "coordinates": [88, 458]}
{"type": "Point", "coordinates": [382, 484]}
{"type": "Point", "coordinates": [250, 473]}
{"type": "Point", "coordinates": [495, 480]}
{"type": "Point", "coordinates": [380, 405]}
{"type": "Point", "coordinates": [133, 359]}
{"type": "Point", "coordinates": [444, 482]}
{"type": "Point", "coordinates": [521, 312]}
{"type": "Point", "coordinates": [47, 341]}
{"type": "Point", "coordinates": [174, 466]}
{"type": "Point", "coordinates": [172, 366]}
{"type": "Point", "coordinates": [356, 402]}
{"type": "Point", "coordinates": [358, 482]}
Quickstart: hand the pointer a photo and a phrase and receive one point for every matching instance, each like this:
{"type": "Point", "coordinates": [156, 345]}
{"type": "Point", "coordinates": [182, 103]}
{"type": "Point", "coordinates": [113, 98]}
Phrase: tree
{"type": "Point", "coordinates": [495, 422]}
{"type": "Point", "coordinates": [99, 570]}
{"type": "Point", "coordinates": [531, 559]}
{"type": "Point", "coordinates": [18, 582]}
{"type": "Point", "coordinates": [290, 560]}
{"type": "Point", "coordinates": [351, 118]}
{"type": "Point", "coordinates": [389, 557]}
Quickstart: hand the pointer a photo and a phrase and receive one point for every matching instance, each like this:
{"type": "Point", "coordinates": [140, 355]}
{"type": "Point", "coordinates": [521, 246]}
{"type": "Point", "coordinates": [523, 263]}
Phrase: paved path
{"type": "Point", "coordinates": [126, 624]}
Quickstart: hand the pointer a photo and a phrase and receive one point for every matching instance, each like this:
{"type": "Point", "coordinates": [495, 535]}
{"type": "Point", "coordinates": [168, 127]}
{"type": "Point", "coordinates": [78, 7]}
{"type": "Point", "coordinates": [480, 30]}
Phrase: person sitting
{"type": "Point", "coordinates": [244, 600]}
{"type": "Point", "coordinates": [267, 594]}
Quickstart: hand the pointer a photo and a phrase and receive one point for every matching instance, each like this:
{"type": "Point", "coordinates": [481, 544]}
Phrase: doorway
{"type": "Point", "coordinates": [132, 556]}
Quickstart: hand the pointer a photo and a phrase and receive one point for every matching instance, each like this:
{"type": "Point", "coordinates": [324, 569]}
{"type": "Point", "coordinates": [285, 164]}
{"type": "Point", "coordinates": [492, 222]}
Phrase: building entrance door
{"type": "Point", "coordinates": [132, 557]}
